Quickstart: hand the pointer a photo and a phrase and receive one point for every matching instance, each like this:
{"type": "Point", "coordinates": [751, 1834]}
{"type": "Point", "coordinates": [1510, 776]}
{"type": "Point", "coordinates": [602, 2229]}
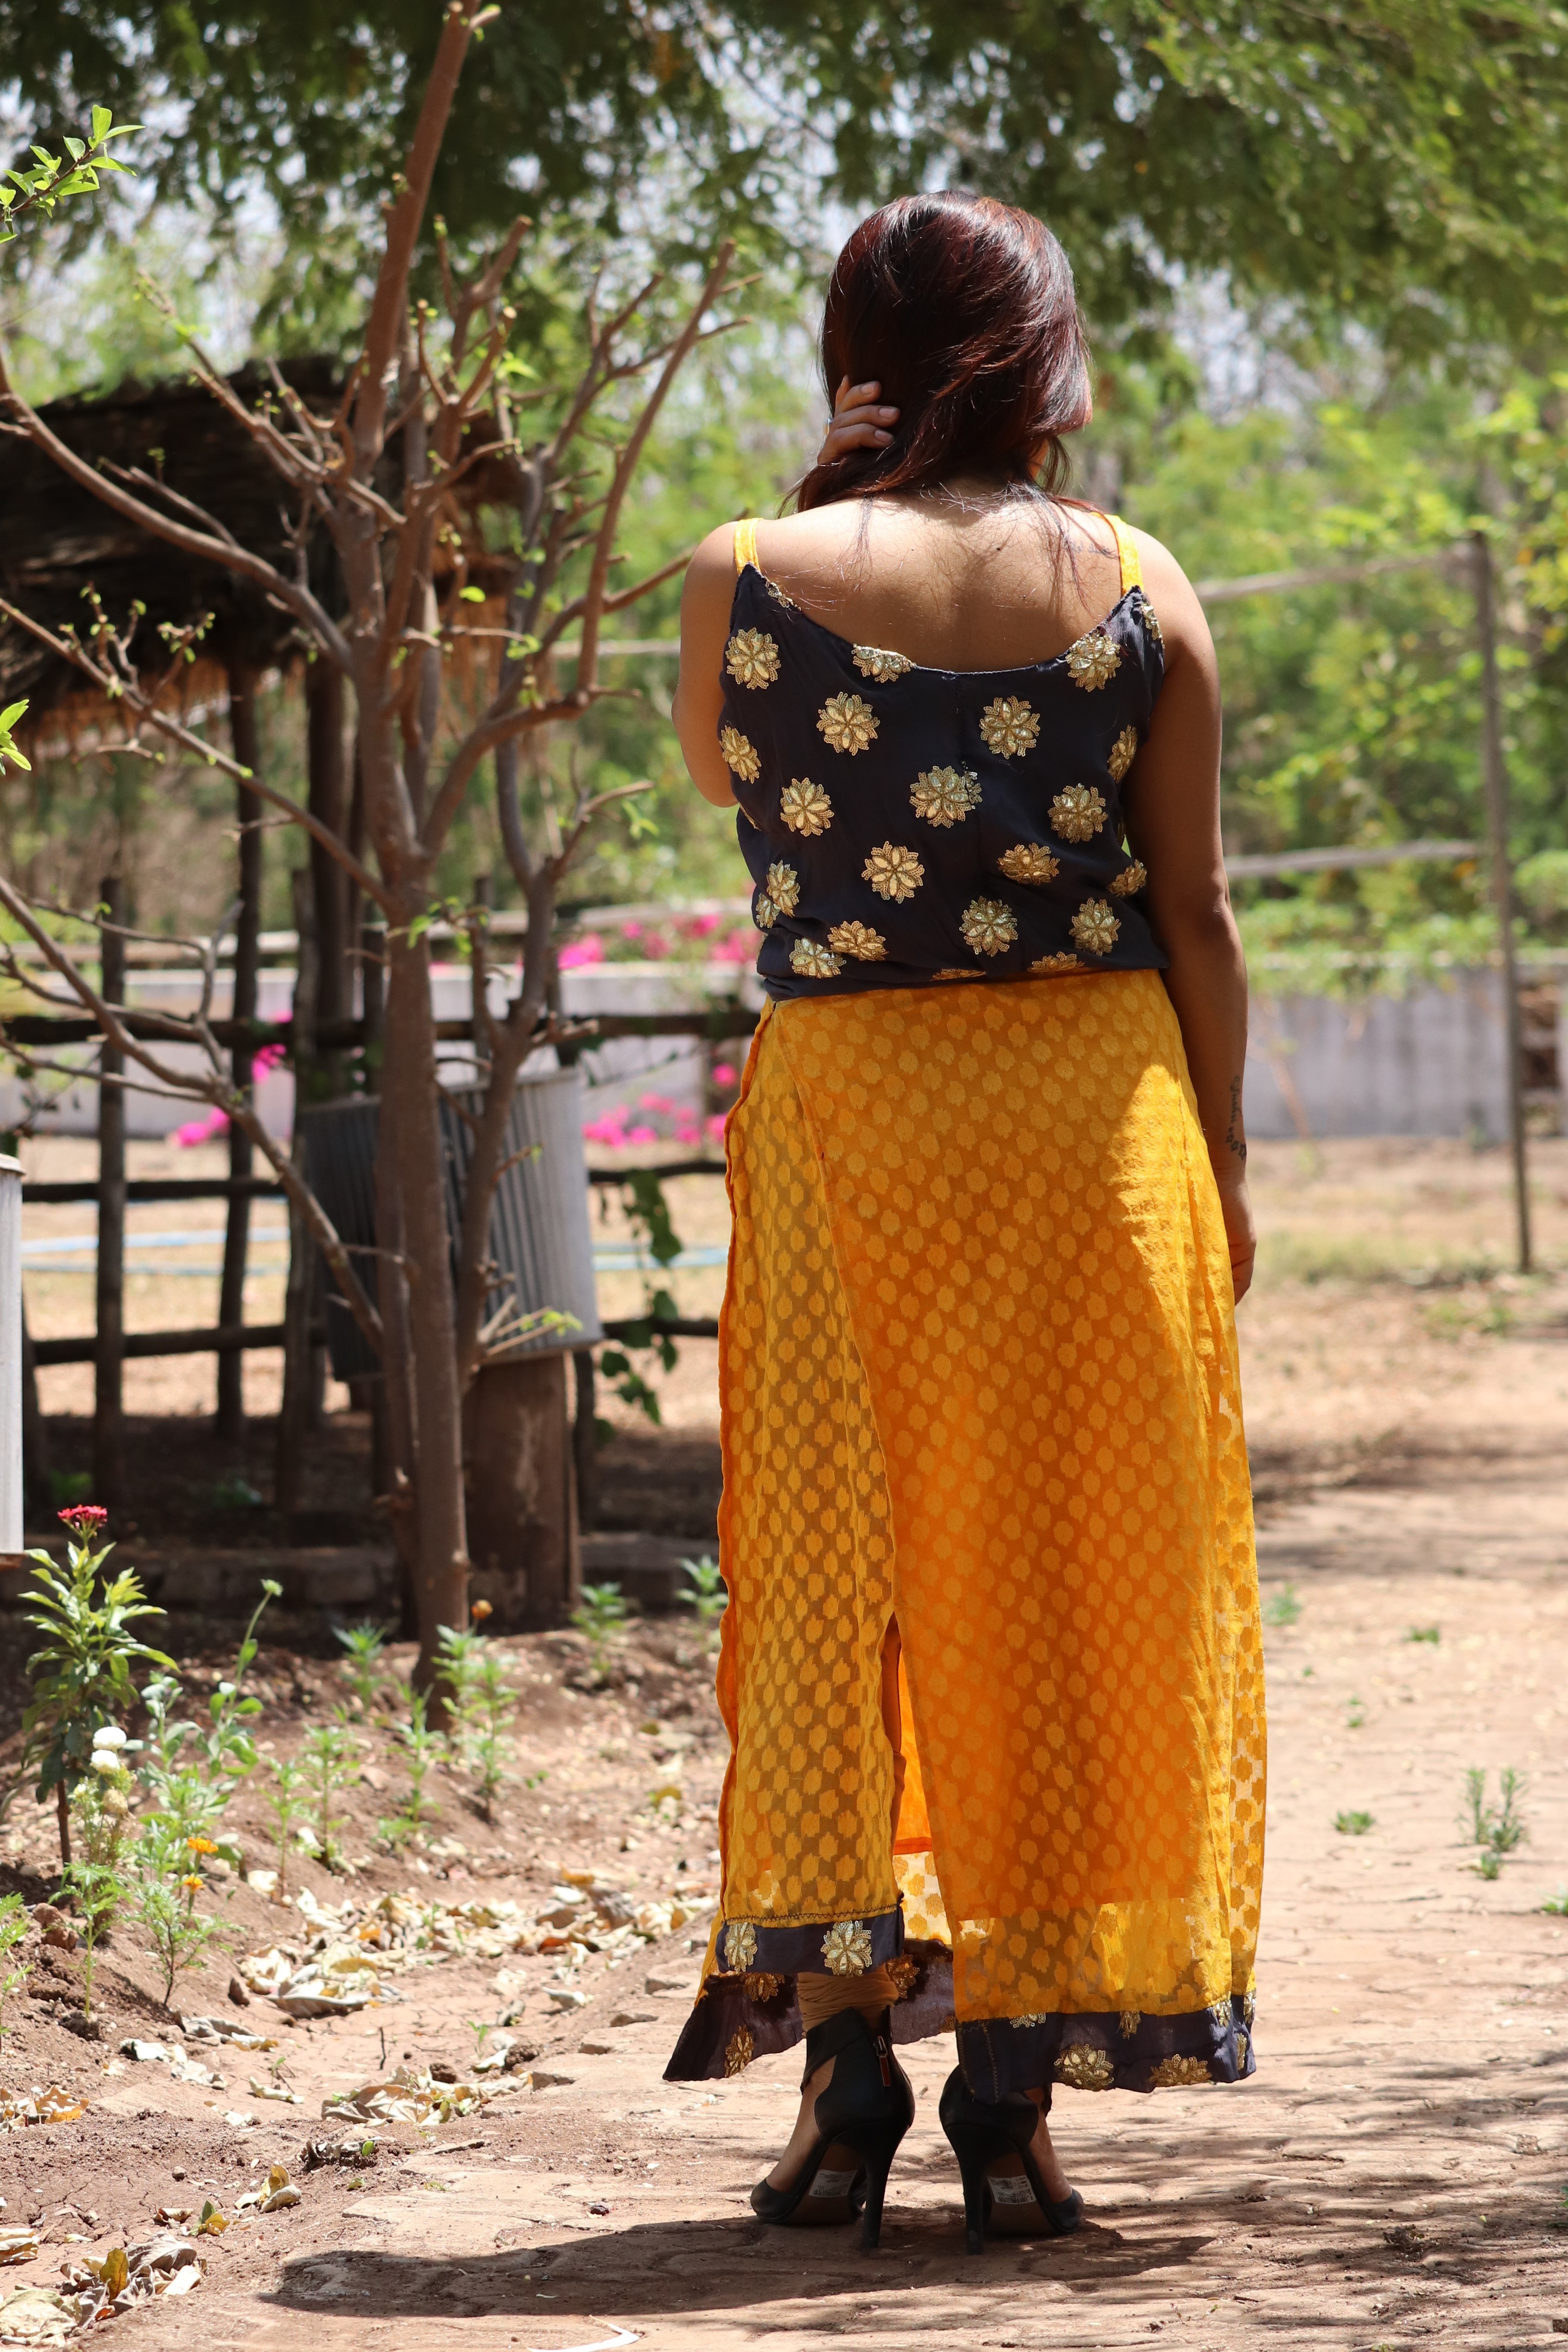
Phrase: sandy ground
{"type": "Point", "coordinates": [1397, 2173]}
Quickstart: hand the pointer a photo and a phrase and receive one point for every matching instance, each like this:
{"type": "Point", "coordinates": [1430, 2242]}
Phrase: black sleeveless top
{"type": "Point", "coordinates": [908, 826]}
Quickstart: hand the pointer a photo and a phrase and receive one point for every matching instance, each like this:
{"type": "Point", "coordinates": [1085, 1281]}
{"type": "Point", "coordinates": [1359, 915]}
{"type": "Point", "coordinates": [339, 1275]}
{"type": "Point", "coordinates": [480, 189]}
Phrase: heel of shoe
{"type": "Point", "coordinates": [878, 2150]}
{"type": "Point", "coordinates": [973, 2150]}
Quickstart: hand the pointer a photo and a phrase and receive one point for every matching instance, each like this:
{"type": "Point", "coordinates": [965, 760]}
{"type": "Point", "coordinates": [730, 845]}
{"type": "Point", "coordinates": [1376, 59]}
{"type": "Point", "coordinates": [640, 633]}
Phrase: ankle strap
{"type": "Point", "coordinates": [841, 2032]}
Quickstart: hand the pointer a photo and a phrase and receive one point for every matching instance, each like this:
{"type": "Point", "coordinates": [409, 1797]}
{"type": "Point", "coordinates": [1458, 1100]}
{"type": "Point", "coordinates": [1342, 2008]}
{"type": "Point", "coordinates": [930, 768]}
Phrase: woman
{"type": "Point", "coordinates": [991, 1666]}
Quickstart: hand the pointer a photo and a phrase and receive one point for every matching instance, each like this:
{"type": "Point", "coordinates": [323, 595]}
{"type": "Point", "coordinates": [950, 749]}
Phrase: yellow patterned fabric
{"type": "Point", "coordinates": [990, 1666]}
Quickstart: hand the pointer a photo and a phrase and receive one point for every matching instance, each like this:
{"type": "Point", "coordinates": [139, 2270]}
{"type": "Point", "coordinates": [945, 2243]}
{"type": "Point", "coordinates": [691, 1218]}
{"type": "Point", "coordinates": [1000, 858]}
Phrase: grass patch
{"type": "Point", "coordinates": [1353, 1824]}
{"type": "Point", "coordinates": [1425, 1633]}
{"type": "Point", "coordinates": [1282, 1608]}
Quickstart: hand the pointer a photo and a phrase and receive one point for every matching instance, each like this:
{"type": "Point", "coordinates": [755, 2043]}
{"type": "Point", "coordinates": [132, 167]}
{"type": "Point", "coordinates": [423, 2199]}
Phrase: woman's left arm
{"type": "Point", "coordinates": [705, 603]}
{"type": "Point", "coordinates": [1172, 825]}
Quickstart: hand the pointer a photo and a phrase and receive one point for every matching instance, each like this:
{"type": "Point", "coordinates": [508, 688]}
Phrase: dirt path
{"type": "Point", "coordinates": [1395, 2176]}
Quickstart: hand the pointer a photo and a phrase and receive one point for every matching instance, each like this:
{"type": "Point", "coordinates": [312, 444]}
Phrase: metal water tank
{"type": "Point", "coordinates": [540, 1237]}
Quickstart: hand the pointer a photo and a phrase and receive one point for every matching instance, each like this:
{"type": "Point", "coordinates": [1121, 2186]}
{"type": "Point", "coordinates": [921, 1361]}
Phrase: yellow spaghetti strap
{"type": "Point", "coordinates": [1127, 548]}
{"type": "Point", "coordinates": [746, 545]}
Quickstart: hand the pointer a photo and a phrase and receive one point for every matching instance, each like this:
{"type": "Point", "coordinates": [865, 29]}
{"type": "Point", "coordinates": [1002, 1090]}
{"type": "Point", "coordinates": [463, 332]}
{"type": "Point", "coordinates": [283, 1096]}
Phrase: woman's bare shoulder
{"type": "Point", "coordinates": [1171, 593]}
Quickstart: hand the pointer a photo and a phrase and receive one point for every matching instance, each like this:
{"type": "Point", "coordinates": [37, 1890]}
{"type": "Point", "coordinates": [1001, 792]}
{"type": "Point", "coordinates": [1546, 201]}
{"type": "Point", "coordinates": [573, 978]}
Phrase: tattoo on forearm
{"type": "Point", "coordinates": [1235, 1139]}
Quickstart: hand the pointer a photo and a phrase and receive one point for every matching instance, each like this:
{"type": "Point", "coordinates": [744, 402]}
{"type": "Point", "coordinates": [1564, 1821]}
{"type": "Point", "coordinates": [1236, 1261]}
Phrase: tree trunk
{"type": "Point", "coordinates": [293, 1419]}
{"type": "Point", "coordinates": [109, 1361]}
{"type": "Point", "coordinates": [415, 1135]}
{"type": "Point", "coordinates": [245, 738]}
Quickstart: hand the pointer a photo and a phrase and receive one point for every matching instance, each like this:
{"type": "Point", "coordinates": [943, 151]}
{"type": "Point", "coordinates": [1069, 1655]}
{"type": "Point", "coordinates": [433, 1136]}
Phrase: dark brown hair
{"type": "Point", "coordinates": [963, 311]}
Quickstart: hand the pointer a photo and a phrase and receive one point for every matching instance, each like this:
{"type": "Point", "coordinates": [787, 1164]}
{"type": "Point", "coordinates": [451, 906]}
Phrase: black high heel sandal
{"type": "Point", "coordinates": [981, 2130]}
{"type": "Point", "coordinates": [863, 2114]}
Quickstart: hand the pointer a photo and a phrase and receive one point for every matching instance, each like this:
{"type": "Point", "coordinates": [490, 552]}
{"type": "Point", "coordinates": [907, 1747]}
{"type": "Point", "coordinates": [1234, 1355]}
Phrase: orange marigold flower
{"type": "Point", "coordinates": [193, 1883]}
{"type": "Point", "coordinates": [200, 1845]}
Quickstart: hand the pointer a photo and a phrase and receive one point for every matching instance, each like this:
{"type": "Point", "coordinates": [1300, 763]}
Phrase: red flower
{"type": "Point", "coordinates": [85, 1520]}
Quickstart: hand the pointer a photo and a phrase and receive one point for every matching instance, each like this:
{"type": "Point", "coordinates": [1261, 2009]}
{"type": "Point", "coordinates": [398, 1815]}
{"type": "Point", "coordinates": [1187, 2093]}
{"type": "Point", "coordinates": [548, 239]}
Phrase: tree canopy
{"type": "Point", "coordinates": [1405, 162]}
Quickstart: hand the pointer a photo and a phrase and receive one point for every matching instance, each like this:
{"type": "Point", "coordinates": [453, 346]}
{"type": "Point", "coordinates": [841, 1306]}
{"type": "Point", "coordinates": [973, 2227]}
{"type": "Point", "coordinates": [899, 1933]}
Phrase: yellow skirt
{"type": "Point", "coordinates": [991, 1667]}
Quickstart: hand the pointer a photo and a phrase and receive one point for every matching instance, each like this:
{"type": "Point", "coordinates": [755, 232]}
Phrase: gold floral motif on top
{"type": "Point", "coordinates": [1131, 880]}
{"type": "Point", "coordinates": [813, 962]}
{"type": "Point", "coordinates": [1031, 861]}
{"type": "Point", "coordinates": [874, 662]}
{"type": "Point", "coordinates": [764, 914]}
{"type": "Point", "coordinates": [752, 657]}
{"type": "Point", "coordinates": [944, 796]}
{"type": "Point", "coordinates": [1046, 967]}
{"type": "Point", "coordinates": [859, 941]}
{"type": "Point", "coordinates": [988, 926]}
{"type": "Point", "coordinates": [1180, 2073]}
{"type": "Point", "coordinates": [738, 755]}
{"type": "Point", "coordinates": [1078, 812]}
{"type": "Point", "coordinates": [1131, 2020]}
{"type": "Point", "coordinates": [1094, 660]}
{"type": "Point", "coordinates": [1248, 2008]}
{"type": "Point", "coordinates": [761, 1987]}
{"type": "Point", "coordinates": [1083, 2069]}
{"type": "Point", "coordinates": [1220, 2012]}
{"type": "Point", "coordinates": [1011, 726]}
{"type": "Point", "coordinates": [1095, 928]}
{"type": "Point", "coordinates": [848, 723]}
{"type": "Point", "coordinates": [903, 1975]}
{"type": "Point", "coordinates": [893, 871]}
{"type": "Point", "coordinates": [1123, 751]}
{"type": "Point", "coordinates": [740, 2053]}
{"type": "Point", "coordinates": [740, 1944]}
{"type": "Point", "coordinates": [1152, 628]}
{"type": "Point", "coordinates": [783, 887]}
{"type": "Point", "coordinates": [1031, 2017]}
{"type": "Point", "coordinates": [958, 972]}
{"type": "Point", "coordinates": [804, 807]}
{"type": "Point", "coordinates": [846, 1948]}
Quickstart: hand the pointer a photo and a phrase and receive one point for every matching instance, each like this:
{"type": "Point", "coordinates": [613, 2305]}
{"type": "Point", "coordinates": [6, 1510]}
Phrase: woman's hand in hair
{"type": "Point", "coordinates": [858, 422]}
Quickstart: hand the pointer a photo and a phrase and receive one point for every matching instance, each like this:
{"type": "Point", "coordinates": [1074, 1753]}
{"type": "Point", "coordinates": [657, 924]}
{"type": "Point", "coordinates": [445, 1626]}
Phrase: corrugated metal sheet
{"type": "Point", "coordinates": [540, 1237]}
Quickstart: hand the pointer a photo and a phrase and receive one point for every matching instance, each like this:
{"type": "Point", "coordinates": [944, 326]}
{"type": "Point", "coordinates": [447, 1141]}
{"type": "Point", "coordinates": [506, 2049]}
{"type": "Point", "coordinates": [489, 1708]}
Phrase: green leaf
{"type": "Point", "coordinates": [472, 596]}
{"type": "Point", "coordinates": [102, 116]}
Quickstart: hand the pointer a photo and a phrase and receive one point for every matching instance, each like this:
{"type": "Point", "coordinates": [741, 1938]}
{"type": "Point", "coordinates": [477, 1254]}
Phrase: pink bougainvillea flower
{"type": "Point", "coordinates": [643, 1134]}
{"type": "Point", "coordinates": [201, 1130]}
{"type": "Point", "coordinates": [724, 1074]}
{"type": "Point", "coordinates": [658, 1103]}
{"type": "Point", "coordinates": [582, 952]}
{"type": "Point", "coordinates": [715, 1126]}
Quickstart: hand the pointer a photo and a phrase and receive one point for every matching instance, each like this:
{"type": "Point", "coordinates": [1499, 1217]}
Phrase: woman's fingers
{"type": "Point", "coordinates": [860, 422]}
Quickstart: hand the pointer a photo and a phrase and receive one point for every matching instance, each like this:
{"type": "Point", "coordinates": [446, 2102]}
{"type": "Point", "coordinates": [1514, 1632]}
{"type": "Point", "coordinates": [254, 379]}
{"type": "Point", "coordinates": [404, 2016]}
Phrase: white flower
{"type": "Point", "coordinates": [104, 1759]}
{"type": "Point", "coordinates": [109, 1734]}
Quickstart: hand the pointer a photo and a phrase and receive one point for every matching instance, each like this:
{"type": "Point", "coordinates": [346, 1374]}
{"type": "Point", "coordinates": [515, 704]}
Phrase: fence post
{"type": "Point", "coordinates": [245, 738]}
{"type": "Point", "coordinates": [10, 1356]}
{"type": "Point", "coordinates": [109, 1362]}
{"type": "Point", "coordinates": [1494, 768]}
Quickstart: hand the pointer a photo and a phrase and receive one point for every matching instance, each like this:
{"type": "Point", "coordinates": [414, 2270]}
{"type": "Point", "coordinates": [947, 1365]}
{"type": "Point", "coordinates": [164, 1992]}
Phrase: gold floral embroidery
{"type": "Point", "coordinates": [763, 1988]}
{"type": "Point", "coordinates": [1011, 726]}
{"type": "Point", "coordinates": [858, 940]}
{"type": "Point", "coordinates": [1177, 2074]}
{"type": "Point", "coordinates": [1086, 2070]}
{"type": "Point", "coordinates": [944, 795]}
{"type": "Point", "coordinates": [873, 662]}
{"type": "Point", "coordinates": [1045, 967]}
{"type": "Point", "coordinates": [1151, 624]}
{"type": "Point", "coordinates": [1093, 659]}
{"type": "Point", "coordinates": [958, 972]}
{"type": "Point", "coordinates": [1248, 2008]}
{"type": "Point", "coordinates": [779, 597]}
{"type": "Point", "coordinates": [903, 1974]}
{"type": "Point", "coordinates": [1095, 928]}
{"type": "Point", "coordinates": [1078, 812]}
{"type": "Point", "coordinates": [1241, 2049]}
{"type": "Point", "coordinates": [1220, 2012]}
{"type": "Point", "coordinates": [738, 754]}
{"type": "Point", "coordinates": [752, 657]}
{"type": "Point", "coordinates": [1131, 2020]}
{"type": "Point", "coordinates": [810, 958]}
{"type": "Point", "coordinates": [1031, 2017]}
{"type": "Point", "coordinates": [893, 871]}
{"type": "Point", "coordinates": [1132, 880]}
{"type": "Point", "coordinates": [846, 1948]}
{"type": "Point", "coordinates": [1030, 862]}
{"type": "Point", "coordinates": [805, 806]}
{"type": "Point", "coordinates": [764, 914]}
{"type": "Point", "coordinates": [741, 2052]}
{"type": "Point", "coordinates": [846, 722]}
{"type": "Point", "coordinates": [988, 926]}
{"type": "Point", "coordinates": [1123, 751]}
{"type": "Point", "coordinates": [783, 887]}
{"type": "Point", "coordinates": [740, 1944]}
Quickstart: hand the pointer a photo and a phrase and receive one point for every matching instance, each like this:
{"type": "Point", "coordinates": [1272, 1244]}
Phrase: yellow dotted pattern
{"type": "Point", "coordinates": [981, 1406]}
